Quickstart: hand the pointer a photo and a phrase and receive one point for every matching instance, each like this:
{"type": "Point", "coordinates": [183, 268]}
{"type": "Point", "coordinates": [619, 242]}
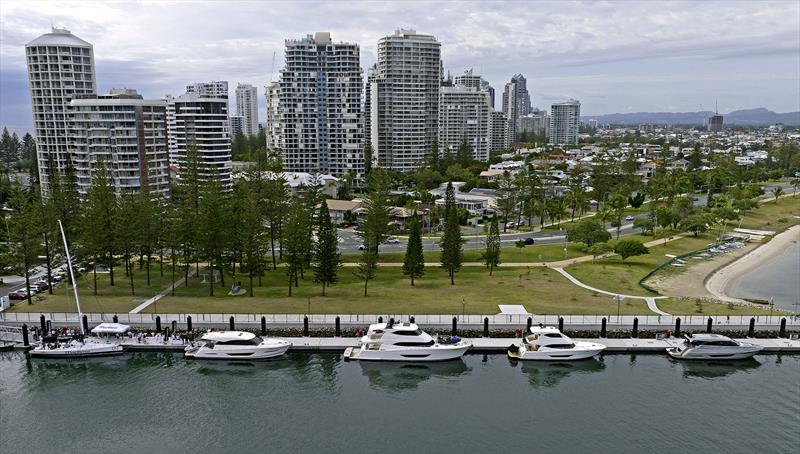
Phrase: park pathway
{"type": "Point", "coordinates": [651, 300]}
{"type": "Point", "coordinates": [157, 297]}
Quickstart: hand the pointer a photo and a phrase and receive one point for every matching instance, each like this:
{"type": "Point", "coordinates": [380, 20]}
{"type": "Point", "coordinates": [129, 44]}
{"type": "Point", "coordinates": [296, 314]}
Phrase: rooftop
{"type": "Point", "coordinates": [59, 36]}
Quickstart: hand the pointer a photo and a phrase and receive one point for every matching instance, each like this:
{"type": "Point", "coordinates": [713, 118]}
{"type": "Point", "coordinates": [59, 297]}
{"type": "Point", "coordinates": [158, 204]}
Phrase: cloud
{"type": "Point", "coordinates": [603, 53]}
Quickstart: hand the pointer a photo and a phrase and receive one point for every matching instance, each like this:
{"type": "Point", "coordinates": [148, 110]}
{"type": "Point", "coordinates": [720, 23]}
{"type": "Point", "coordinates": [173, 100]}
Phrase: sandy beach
{"type": "Point", "coordinates": [719, 283]}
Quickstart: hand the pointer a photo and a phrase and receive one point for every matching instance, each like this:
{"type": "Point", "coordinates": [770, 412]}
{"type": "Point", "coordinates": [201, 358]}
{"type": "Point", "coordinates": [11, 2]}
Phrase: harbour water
{"type": "Point", "coordinates": [159, 402]}
{"type": "Point", "coordinates": [776, 278]}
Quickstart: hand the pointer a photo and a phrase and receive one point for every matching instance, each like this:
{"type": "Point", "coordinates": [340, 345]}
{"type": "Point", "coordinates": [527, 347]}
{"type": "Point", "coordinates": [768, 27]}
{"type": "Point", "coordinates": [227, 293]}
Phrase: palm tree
{"type": "Point", "coordinates": [795, 183]}
{"type": "Point", "coordinates": [777, 191]}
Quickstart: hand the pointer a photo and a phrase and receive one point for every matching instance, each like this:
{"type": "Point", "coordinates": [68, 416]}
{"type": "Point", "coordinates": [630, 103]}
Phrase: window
{"type": "Point", "coordinates": [554, 335]}
{"type": "Point", "coordinates": [415, 344]}
{"type": "Point", "coordinates": [408, 333]}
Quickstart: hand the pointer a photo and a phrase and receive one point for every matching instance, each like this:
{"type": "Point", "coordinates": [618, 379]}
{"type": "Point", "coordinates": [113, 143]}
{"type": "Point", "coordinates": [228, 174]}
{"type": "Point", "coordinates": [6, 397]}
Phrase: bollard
{"type": "Point", "coordinates": [782, 332]}
{"type": "Point", "coordinates": [561, 324]}
{"type": "Point", "coordinates": [391, 321]}
{"type": "Point", "coordinates": [338, 327]}
{"type": "Point", "coordinates": [485, 326]}
{"type": "Point", "coordinates": [158, 323]}
{"type": "Point", "coordinates": [708, 325]}
{"type": "Point", "coordinates": [174, 326]}
{"type": "Point", "coordinates": [752, 330]}
{"type": "Point", "coordinates": [25, 341]}
{"type": "Point", "coordinates": [43, 322]}
{"type": "Point", "coordinates": [305, 326]}
{"type": "Point", "coordinates": [603, 327]}
{"type": "Point", "coordinates": [678, 327]}
{"type": "Point", "coordinates": [49, 326]}
{"type": "Point", "coordinates": [380, 319]}
{"type": "Point", "coordinates": [85, 321]}
{"type": "Point", "coordinates": [635, 332]}
{"type": "Point", "coordinates": [455, 326]}
{"type": "Point", "coordinates": [115, 319]}
{"type": "Point", "coordinates": [411, 319]}
{"type": "Point", "coordinates": [232, 325]}
{"type": "Point", "coordinates": [189, 323]}
{"type": "Point", "coordinates": [263, 325]}
{"type": "Point", "coordinates": [528, 326]}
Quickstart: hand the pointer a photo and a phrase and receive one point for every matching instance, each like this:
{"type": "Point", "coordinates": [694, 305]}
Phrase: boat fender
{"type": "Point", "coordinates": [513, 348]}
{"type": "Point", "coordinates": [517, 333]}
{"type": "Point", "coordinates": [358, 332]}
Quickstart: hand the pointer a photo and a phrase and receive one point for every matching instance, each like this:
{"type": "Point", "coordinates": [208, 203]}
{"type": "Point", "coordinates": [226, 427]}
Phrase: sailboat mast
{"type": "Point", "coordinates": [71, 276]}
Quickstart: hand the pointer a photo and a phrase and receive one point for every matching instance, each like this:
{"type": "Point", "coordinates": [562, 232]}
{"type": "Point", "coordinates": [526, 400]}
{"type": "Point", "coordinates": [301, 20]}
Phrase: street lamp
{"type": "Point", "coordinates": [618, 299]}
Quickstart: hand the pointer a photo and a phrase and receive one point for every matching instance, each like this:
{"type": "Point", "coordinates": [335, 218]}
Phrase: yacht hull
{"type": "Point", "coordinates": [78, 352]}
{"type": "Point", "coordinates": [582, 350]}
{"type": "Point", "coordinates": [715, 355]}
{"type": "Point", "coordinates": [413, 354]}
{"type": "Point", "coordinates": [257, 352]}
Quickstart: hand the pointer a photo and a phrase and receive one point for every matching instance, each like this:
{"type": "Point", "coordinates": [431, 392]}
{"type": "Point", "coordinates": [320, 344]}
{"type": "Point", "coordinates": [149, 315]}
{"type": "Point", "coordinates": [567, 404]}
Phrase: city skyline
{"type": "Point", "coordinates": [630, 57]}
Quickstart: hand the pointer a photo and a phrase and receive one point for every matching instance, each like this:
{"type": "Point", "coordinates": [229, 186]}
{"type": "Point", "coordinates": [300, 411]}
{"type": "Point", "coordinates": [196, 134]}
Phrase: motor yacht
{"type": "Point", "coordinates": [236, 345]}
{"type": "Point", "coordinates": [550, 344]}
{"type": "Point", "coordinates": [707, 346]}
{"type": "Point", "coordinates": [406, 342]}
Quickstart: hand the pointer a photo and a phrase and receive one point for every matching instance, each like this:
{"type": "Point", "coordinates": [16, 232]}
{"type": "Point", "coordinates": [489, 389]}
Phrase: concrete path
{"type": "Point", "coordinates": [651, 300]}
{"type": "Point", "coordinates": [157, 297]}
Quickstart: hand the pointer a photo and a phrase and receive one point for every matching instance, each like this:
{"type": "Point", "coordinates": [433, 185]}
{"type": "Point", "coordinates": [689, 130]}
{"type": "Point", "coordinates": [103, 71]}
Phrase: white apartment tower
{"type": "Point", "coordinates": [404, 99]}
{"type": "Point", "coordinates": [465, 113]}
{"type": "Point", "coordinates": [200, 117]}
{"type": "Point", "coordinates": [315, 109]}
{"type": "Point", "coordinates": [516, 103]}
{"type": "Point", "coordinates": [564, 121]}
{"type": "Point", "coordinates": [498, 131]}
{"type": "Point", "coordinates": [213, 89]}
{"type": "Point", "coordinates": [129, 132]}
{"type": "Point", "coordinates": [60, 67]}
{"type": "Point", "coordinates": [247, 108]}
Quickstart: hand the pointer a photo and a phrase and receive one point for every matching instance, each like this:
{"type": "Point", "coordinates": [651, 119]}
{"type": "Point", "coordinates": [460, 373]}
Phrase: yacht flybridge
{"type": "Point", "coordinates": [550, 344]}
{"type": "Point", "coordinates": [405, 342]}
{"type": "Point", "coordinates": [80, 346]}
{"type": "Point", "coordinates": [236, 345]}
{"type": "Point", "coordinates": [705, 346]}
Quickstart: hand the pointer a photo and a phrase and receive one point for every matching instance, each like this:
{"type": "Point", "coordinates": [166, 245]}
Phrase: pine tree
{"type": "Point", "coordinates": [374, 226]}
{"type": "Point", "coordinates": [98, 224]}
{"type": "Point", "coordinates": [451, 243]}
{"type": "Point", "coordinates": [213, 233]}
{"type": "Point", "coordinates": [293, 244]}
{"type": "Point", "coordinates": [127, 232]}
{"type": "Point", "coordinates": [434, 158]}
{"type": "Point", "coordinates": [24, 239]}
{"type": "Point", "coordinates": [414, 260]}
{"type": "Point", "coordinates": [464, 153]}
{"type": "Point", "coordinates": [368, 156]}
{"type": "Point", "coordinates": [491, 256]}
{"type": "Point", "coordinates": [326, 255]}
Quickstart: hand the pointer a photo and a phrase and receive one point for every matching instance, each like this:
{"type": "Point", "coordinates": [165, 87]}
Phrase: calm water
{"type": "Point", "coordinates": [777, 278]}
{"type": "Point", "coordinates": [149, 402]}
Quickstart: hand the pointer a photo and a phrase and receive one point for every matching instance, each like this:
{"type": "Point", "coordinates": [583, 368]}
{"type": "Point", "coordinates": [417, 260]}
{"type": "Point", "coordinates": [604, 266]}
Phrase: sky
{"type": "Point", "coordinates": [613, 56]}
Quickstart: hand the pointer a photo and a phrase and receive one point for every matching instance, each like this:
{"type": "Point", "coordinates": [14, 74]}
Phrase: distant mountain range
{"type": "Point", "coordinates": [747, 117]}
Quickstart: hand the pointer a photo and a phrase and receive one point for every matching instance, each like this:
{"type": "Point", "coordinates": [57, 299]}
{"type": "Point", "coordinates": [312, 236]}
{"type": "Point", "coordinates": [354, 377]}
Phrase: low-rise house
{"type": "Point", "coordinates": [342, 211]}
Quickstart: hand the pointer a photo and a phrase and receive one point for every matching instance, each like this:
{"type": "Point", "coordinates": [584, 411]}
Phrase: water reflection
{"type": "Point", "coordinates": [550, 373]}
{"type": "Point", "coordinates": [396, 377]}
{"type": "Point", "coordinates": [717, 369]}
{"type": "Point", "coordinates": [59, 371]}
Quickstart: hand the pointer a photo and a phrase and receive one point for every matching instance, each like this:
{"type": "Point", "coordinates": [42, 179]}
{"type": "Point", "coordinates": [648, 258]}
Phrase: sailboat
{"type": "Point", "coordinates": [80, 346]}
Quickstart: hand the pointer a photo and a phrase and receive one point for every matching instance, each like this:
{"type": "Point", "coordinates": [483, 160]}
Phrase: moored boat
{"type": "Point", "coordinates": [709, 346]}
{"type": "Point", "coordinates": [550, 344]}
{"type": "Point", "coordinates": [237, 345]}
{"type": "Point", "coordinates": [406, 342]}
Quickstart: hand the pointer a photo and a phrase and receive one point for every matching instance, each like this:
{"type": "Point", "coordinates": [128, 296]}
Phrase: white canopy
{"type": "Point", "coordinates": [110, 328]}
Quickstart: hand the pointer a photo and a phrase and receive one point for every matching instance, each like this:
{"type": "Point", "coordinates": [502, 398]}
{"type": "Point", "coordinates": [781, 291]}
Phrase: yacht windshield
{"type": "Point", "coordinates": [408, 333]}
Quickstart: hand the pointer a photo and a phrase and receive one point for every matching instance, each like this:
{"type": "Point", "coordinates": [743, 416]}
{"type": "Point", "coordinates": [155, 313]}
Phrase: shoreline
{"type": "Point", "coordinates": [720, 282]}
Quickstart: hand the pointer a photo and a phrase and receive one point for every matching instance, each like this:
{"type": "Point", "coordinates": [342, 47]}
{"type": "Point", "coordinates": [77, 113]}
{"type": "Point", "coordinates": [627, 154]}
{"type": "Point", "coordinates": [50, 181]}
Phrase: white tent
{"type": "Point", "coordinates": [110, 328]}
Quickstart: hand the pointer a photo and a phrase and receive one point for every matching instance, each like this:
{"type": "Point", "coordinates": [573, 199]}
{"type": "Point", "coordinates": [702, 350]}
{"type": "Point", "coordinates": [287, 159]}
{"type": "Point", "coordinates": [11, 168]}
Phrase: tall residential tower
{"type": "Point", "coordinates": [314, 111]}
{"type": "Point", "coordinates": [247, 108]}
{"type": "Point", "coordinates": [516, 103]}
{"type": "Point", "coordinates": [564, 122]}
{"type": "Point", "coordinates": [60, 67]}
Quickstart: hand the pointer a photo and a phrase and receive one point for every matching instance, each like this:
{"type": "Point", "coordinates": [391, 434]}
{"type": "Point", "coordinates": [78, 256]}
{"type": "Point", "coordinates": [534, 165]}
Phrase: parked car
{"type": "Point", "coordinates": [17, 295]}
{"type": "Point", "coordinates": [392, 240]}
{"type": "Point", "coordinates": [361, 247]}
{"type": "Point", "coordinates": [511, 225]}
{"type": "Point", "coordinates": [42, 285]}
{"type": "Point", "coordinates": [527, 241]}
{"type": "Point", "coordinates": [629, 218]}
{"type": "Point", "coordinates": [34, 290]}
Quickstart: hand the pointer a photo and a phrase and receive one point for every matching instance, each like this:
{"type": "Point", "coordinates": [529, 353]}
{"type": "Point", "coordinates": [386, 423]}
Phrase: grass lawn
{"type": "Point", "coordinates": [534, 253]}
{"type": "Point", "coordinates": [540, 290]}
{"type": "Point", "coordinates": [775, 215]}
{"type": "Point", "coordinates": [685, 307]}
{"type": "Point", "coordinates": [108, 299]}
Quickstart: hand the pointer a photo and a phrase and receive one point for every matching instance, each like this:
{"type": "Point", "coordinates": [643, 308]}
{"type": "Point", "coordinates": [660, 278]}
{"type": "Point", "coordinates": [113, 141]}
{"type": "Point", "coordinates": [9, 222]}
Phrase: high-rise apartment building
{"type": "Point", "coordinates": [129, 132]}
{"type": "Point", "coordinates": [464, 114]}
{"type": "Point", "coordinates": [200, 117]}
{"type": "Point", "coordinates": [315, 109]}
{"type": "Point", "coordinates": [236, 125]}
{"type": "Point", "coordinates": [536, 122]}
{"type": "Point", "coordinates": [404, 99]}
{"type": "Point", "coordinates": [213, 89]}
{"type": "Point", "coordinates": [60, 67]}
{"type": "Point", "coordinates": [516, 103]}
{"type": "Point", "coordinates": [564, 122]}
{"type": "Point", "coordinates": [498, 131]}
{"type": "Point", "coordinates": [247, 108]}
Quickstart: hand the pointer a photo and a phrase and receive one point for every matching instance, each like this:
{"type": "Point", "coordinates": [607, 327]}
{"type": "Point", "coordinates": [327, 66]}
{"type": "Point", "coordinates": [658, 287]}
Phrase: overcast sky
{"type": "Point", "coordinates": [625, 56]}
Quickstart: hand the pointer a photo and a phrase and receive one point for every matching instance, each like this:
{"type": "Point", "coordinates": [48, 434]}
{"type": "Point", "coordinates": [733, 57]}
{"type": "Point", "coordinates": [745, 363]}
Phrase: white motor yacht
{"type": "Point", "coordinates": [706, 346]}
{"type": "Point", "coordinates": [406, 342]}
{"type": "Point", "coordinates": [236, 345]}
{"type": "Point", "coordinates": [550, 344]}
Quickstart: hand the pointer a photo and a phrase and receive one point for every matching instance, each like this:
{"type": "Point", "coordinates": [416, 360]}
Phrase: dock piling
{"type": "Point", "coordinates": [263, 325]}
{"type": "Point", "coordinates": [709, 324]}
{"type": "Point", "coordinates": [411, 319]}
{"type": "Point", "coordinates": [85, 321]}
{"type": "Point", "coordinates": [25, 341]}
{"type": "Point", "coordinates": [158, 323]}
{"type": "Point", "coordinates": [232, 324]}
{"type": "Point", "coordinates": [635, 332]}
{"type": "Point", "coordinates": [561, 324]}
{"type": "Point", "coordinates": [782, 331]}
{"type": "Point", "coordinates": [189, 323]}
{"type": "Point", "coordinates": [752, 329]}
{"type": "Point", "coordinates": [485, 326]}
{"type": "Point", "coordinates": [678, 327]}
{"type": "Point", "coordinates": [380, 319]}
{"type": "Point", "coordinates": [338, 327]}
{"type": "Point", "coordinates": [174, 326]}
{"type": "Point", "coordinates": [603, 323]}
{"type": "Point", "coordinates": [455, 326]}
{"type": "Point", "coordinates": [528, 325]}
{"type": "Point", "coordinates": [43, 322]}
{"type": "Point", "coordinates": [115, 319]}
{"type": "Point", "coordinates": [49, 326]}
{"type": "Point", "coordinates": [305, 326]}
